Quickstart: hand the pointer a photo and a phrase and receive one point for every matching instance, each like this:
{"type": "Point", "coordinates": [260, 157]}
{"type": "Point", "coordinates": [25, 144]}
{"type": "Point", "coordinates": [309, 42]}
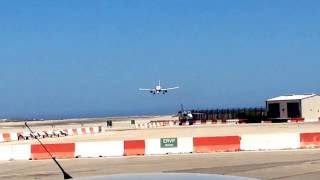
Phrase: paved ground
{"type": "Point", "coordinates": [297, 164]}
{"type": "Point", "coordinates": [187, 131]}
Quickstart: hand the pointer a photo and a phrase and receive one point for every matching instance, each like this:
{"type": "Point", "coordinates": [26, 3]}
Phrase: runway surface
{"type": "Point", "coordinates": [291, 164]}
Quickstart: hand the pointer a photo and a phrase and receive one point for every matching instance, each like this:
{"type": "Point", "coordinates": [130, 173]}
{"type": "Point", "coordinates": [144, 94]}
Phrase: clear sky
{"type": "Point", "coordinates": [88, 58]}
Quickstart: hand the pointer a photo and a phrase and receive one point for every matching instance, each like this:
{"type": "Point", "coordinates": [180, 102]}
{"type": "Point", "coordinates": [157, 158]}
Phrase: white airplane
{"type": "Point", "coordinates": [183, 114]}
{"type": "Point", "coordinates": [158, 89]}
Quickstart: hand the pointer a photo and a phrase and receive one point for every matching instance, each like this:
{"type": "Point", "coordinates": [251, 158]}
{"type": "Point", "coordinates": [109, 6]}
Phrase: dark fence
{"type": "Point", "coordinates": [250, 115]}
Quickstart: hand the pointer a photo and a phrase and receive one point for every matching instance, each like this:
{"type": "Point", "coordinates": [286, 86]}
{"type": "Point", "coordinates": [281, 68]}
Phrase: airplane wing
{"type": "Point", "coordinates": [166, 89]}
{"type": "Point", "coordinates": [142, 89]}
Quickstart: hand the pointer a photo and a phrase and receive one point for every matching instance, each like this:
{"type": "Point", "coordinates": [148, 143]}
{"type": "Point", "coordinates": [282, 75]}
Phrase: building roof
{"type": "Point", "coordinates": [292, 97]}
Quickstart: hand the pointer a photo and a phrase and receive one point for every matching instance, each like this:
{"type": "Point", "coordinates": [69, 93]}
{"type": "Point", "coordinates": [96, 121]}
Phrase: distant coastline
{"type": "Point", "coordinates": [114, 118]}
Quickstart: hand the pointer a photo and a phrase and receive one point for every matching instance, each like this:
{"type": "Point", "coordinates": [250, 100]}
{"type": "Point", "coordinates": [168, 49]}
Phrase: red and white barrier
{"type": "Point", "coordinates": [7, 137]}
{"type": "Point", "coordinates": [279, 141]}
{"type": "Point", "coordinates": [214, 144]}
{"type": "Point", "coordinates": [169, 146]}
{"type": "Point", "coordinates": [99, 149]}
{"type": "Point", "coordinates": [184, 123]}
{"type": "Point", "coordinates": [134, 147]}
{"type": "Point", "coordinates": [161, 146]}
{"type": "Point", "coordinates": [296, 120]}
{"type": "Point", "coordinates": [207, 122]}
{"type": "Point", "coordinates": [232, 121]}
{"type": "Point", "coordinates": [15, 152]}
{"type": "Point", "coordinates": [310, 140]}
{"type": "Point", "coordinates": [14, 136]}
{"type": "Point", "coordinates": [59, 151]}
{"type": "Point", "coordinates": [155, 124]}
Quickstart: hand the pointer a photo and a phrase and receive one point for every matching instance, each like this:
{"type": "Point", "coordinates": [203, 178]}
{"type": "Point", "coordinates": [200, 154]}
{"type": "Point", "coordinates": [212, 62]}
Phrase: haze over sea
{"type": "Point", "coordinates": [61, 59]}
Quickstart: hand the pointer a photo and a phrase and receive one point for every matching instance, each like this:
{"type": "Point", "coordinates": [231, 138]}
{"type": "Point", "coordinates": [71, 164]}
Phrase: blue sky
{"type": "Point", "coordinates": [88, 58]}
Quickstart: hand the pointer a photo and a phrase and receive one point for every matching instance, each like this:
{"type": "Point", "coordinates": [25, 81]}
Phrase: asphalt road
{"type": "Point", "coordinates": [291, 164]}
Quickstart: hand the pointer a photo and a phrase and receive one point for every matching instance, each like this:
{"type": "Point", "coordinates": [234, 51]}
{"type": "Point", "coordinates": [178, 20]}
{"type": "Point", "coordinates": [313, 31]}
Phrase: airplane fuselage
{"type": "Point", "coordinates": [158, 89]}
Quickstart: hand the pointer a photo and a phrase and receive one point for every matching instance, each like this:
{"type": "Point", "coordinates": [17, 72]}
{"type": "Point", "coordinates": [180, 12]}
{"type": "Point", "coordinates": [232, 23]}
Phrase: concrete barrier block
{"type": "Point", "coordinates": [99, 149]}
{"type": "Point", "coordinates": [214, 144]}
{"type": "Point", "coordinates": [270, 141]}
{"type": "Point", "coordinates": [15, 152]}
{"type": "Point", "coordinates": [169, 145]}
{"type": "Point", "coordinates": [310, 140]}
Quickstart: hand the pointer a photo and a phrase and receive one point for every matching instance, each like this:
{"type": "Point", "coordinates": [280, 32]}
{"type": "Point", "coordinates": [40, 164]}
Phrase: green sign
{"type": "Point", "coordinates": [169, 142]}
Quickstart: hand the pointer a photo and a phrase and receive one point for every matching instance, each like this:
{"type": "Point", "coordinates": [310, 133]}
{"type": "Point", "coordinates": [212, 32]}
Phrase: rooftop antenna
{"type": "Point", "coordinates": [65, 174]}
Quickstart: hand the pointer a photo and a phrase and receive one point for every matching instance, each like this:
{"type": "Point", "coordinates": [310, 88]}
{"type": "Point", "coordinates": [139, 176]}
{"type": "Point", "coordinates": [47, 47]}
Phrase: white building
{"type": "Point", "coordinates": [305, 106]}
